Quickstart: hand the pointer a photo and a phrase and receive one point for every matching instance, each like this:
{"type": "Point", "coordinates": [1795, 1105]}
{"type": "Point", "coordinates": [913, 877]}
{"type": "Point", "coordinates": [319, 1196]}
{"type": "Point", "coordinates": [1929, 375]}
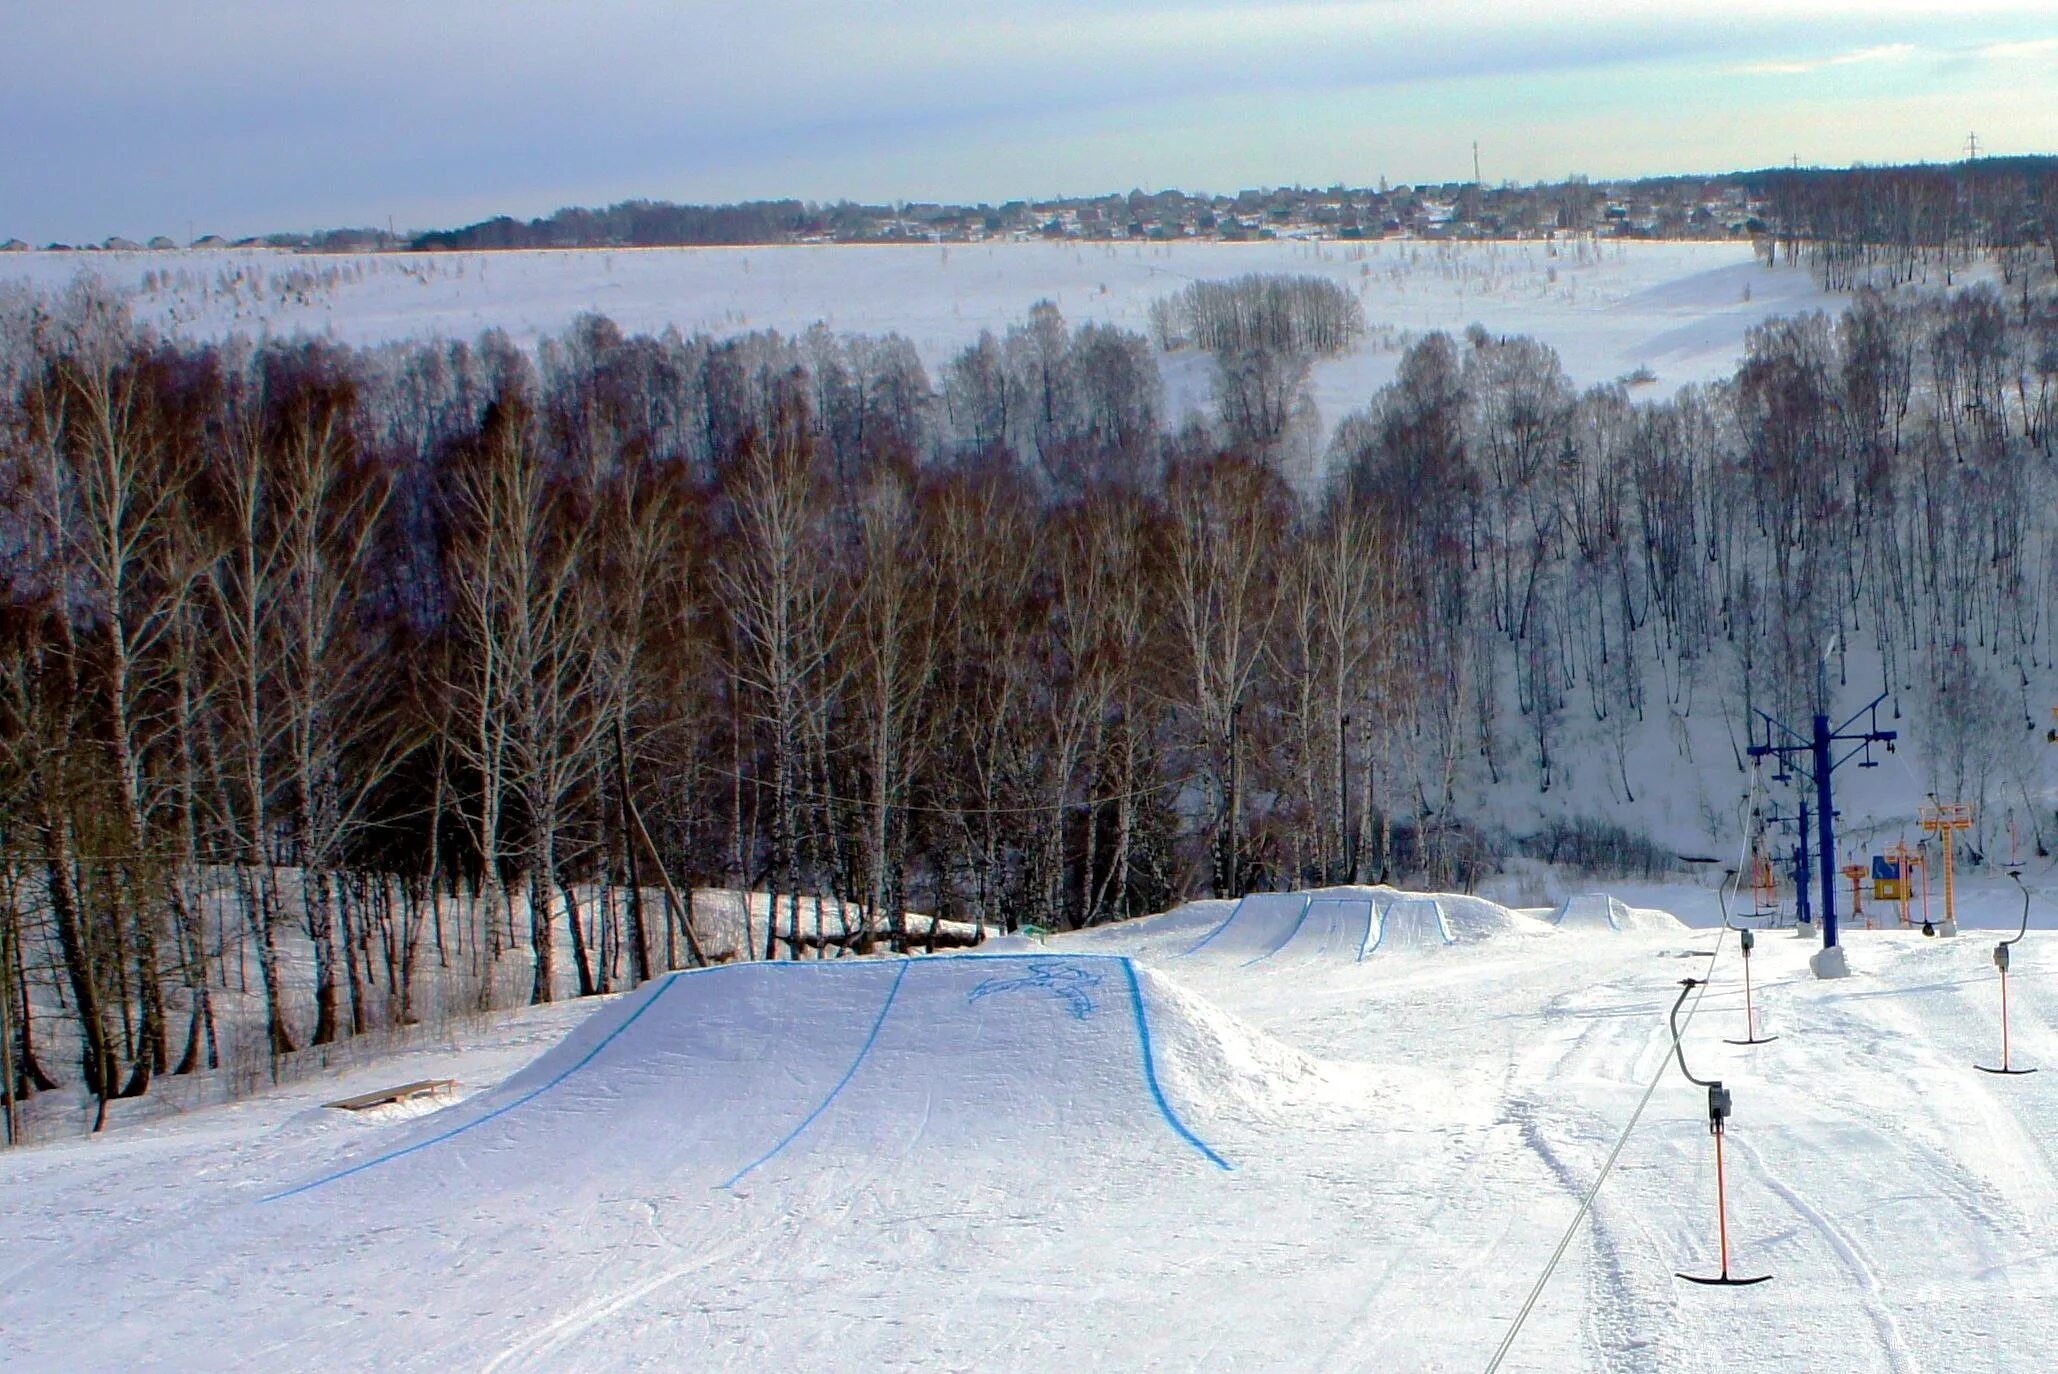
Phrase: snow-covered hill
{"type": "Point", "coordinates": [1678, 309]}
{"type": "Point", "coordinates": [1145, 1147]}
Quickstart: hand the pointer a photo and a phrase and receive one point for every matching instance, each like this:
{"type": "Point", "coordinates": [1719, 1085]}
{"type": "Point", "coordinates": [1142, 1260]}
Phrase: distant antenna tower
{"type": "Point", "coordinates": [1475, 165]}
{"type": "Point", "coordinates": [1972, 147]}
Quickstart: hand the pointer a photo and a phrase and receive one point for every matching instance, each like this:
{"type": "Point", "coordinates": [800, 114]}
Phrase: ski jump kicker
{"type": "Point", "coordinates": [735, 1074]}
{"type": "Point", "coordinates": [1325, 926]}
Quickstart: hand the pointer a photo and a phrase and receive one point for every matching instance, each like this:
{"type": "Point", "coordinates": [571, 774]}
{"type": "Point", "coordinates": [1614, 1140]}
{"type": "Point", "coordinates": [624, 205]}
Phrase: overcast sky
{"type": "Point", "coordinates": [140, 117]}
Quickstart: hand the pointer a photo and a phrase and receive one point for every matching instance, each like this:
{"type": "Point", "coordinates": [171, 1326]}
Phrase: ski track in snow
{"type": "Point", "coordinates": [981, 1180]}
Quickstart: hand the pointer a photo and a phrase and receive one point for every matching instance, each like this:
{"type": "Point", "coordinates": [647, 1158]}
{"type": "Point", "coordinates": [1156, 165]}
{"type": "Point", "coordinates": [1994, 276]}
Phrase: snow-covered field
{"type": "Point", "coordinates": [1679, 309]}
{"type": "Point", "coordinates": [1334, 1134]}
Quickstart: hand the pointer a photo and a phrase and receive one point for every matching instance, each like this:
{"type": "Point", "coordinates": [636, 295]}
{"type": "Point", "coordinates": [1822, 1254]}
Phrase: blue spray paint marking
{"type": "Point", "coordinates": [1205, 939]}
{"type": "Point", "coordinates": [525, 1098]}
{"type": "Point", "coordinates": [1375, 931]}
{"type": "Point", "coordinates": [1066, 982]}
{"type": "Point", "coordinates": [1150, 1070]}
{"type": "Point", "coordinates": [1307, 905]}
{"type": "Point", "coordinates": [841, 1083]}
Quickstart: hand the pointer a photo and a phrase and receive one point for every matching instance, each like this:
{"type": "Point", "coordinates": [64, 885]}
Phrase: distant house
{"type": "Point", "coordinates": [210, 241]}
{"type": "Point", "coordinates": [118, 244]}
{"type": "Point", "coordinates": [14, 246]}
{"type": "Point", "coordinates": [159, 243]}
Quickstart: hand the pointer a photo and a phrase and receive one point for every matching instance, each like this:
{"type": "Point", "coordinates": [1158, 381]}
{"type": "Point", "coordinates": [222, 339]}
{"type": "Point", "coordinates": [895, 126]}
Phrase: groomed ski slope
{"type": "Point", "coordinates": [1018, 1162]}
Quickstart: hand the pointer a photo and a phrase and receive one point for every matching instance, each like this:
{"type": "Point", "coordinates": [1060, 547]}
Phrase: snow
{"type": "Point", "coordinates": [981, 1161]}
{"type": "Point", "coordinates": [1599, 911]}
{"type": "Point", "coordinates": [1680, 309]}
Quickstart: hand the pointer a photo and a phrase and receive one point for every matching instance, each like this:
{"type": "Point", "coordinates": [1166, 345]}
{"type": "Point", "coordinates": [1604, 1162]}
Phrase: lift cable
{"type": "Point", "coordinates": [1607, 1166]}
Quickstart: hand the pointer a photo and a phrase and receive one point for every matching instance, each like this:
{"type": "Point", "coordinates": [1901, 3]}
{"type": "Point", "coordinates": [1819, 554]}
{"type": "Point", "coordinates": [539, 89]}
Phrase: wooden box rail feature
{"type": "Point", "coordinates": [406, 1092]}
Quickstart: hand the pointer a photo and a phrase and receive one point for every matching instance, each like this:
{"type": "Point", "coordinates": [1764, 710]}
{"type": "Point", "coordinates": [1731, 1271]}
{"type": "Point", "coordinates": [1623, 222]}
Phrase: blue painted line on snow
{"type": "Point", "coordinates": [841, 1083]}
{"type": "Point", "coordinates": [1375, 929]}
{"type": "Point", "coordinates": [1380, 939]}
{"type": "Point", "coordinates": [1443, 928]}
{"type": "Point", "coordinates": [1150, 1070]}
{"type": "Point", "coordinates": [1307, 905]}
{"type": "Point", "coordinates": [1216, 931]}
{"type": "Point", "coordinates": [525, 1098]}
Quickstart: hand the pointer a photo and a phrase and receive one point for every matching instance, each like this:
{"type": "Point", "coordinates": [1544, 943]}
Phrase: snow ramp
{"type": "Point", "coordinates": [1257, 927]}
{"type": "Point", "coordinates": [1351, 924]}
{"type": "Point", "coordinates": [1413, 923]}
{"type": "Point", "coordinates": [725, 1076]}
{"type": "Point", "coordinates": [1599, 911]}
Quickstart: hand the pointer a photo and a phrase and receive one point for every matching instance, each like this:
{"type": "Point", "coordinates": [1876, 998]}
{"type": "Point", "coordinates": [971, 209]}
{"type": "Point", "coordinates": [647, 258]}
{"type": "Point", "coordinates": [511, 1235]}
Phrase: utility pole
{"type": "Point", "coordinates": [1816, 753]}
{"type": "Point", "coordinates": [1972, 147]}
{"type": "Point", "coordinates": [1475, 166]}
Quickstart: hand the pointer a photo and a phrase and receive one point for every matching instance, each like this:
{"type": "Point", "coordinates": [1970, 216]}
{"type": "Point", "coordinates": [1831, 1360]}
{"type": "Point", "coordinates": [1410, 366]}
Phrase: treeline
{"type": "Point", "coordinates": [445, 657]}
{"type": "Point", "coordinates": [640, 224]}
{"type": "Point", "coordinates": [1888, 226]}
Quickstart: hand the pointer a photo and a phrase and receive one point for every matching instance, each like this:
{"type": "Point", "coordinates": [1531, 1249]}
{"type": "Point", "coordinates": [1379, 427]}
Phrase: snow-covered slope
{"type": "Point", "coordinates": [1679, 309]}
{"type": "Point", "coordinates": [1017, 1163]}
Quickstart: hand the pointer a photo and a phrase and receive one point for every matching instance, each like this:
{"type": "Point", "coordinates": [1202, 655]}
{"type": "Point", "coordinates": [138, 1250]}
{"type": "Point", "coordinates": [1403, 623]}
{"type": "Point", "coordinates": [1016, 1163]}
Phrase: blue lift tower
{"type": "Point", "coordinates": [1815, 756]}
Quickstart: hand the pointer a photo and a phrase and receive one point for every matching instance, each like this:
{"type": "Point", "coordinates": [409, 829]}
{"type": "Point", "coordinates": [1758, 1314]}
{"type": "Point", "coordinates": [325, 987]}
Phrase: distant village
{"type": "Point", "coordinates": [1673, 208]}
{"type": "Point", "coordinates": [1850, 215]}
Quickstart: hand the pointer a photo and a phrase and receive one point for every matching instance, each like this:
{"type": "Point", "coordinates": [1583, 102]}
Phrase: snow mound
{"type": "Point", "coordinates": [754, 1072]}
{"type": "Point", "coordinates": [1352, 924]}
{"type": "Point", "coordinates": [1167, 933]}
{"type": "Point", "coordinates": [1599, 911]}
{"type": "Point", "coordinates": [1414, 923]}
{"type": "Point", "coordinates": [1257, 927]}
{"type": "Point", "coordinates": [1219, 1064]}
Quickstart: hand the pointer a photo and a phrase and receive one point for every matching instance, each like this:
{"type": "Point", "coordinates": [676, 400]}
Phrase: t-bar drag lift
{"type": "Point", "coordinates": [2001, 963]}
{"type": "Point", "coordinates": [1718, 1113]}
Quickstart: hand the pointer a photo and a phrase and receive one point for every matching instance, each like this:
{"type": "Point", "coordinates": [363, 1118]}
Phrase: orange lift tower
{"type": "Point", "coordinates": [1856, 873]}
{"type": "Point", "coordinates": [1944, 821]}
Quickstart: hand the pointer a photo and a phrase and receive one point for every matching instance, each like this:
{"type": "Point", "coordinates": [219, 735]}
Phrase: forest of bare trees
{"type": "Point", "coordinates": [438, 660]}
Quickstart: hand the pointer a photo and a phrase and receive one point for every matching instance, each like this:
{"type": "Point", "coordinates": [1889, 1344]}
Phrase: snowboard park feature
{"type": "Point", "coordinates": [961, 1161]}
{"type": "Point", "coordinates": [1257, 927]}
{"type": "Point", "coordinates": [1599, 911]}
{"type": "Point", "coordinates": [1412, 923]}
{"type": "Point", "coordinates": [944, 1028]}
{"type": "Point", "coordinates": [1347, 923]}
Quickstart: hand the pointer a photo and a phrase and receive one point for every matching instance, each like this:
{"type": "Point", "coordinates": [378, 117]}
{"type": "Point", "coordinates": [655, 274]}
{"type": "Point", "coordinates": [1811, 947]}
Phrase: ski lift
{"type": "Point", "coordinates": [1747, 941]}
{"type": "Point", "coordinates": [2001, 964]}
{"type": "Point", "coordinates": [1719, 1107]}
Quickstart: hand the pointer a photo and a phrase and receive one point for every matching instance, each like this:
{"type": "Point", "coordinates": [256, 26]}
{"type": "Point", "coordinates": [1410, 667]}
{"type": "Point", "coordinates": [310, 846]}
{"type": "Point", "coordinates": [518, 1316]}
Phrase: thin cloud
{"type": "Point", "coordinates": [2035, 49]}
{"type": "Point", "coordinates": [1884, 52]}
